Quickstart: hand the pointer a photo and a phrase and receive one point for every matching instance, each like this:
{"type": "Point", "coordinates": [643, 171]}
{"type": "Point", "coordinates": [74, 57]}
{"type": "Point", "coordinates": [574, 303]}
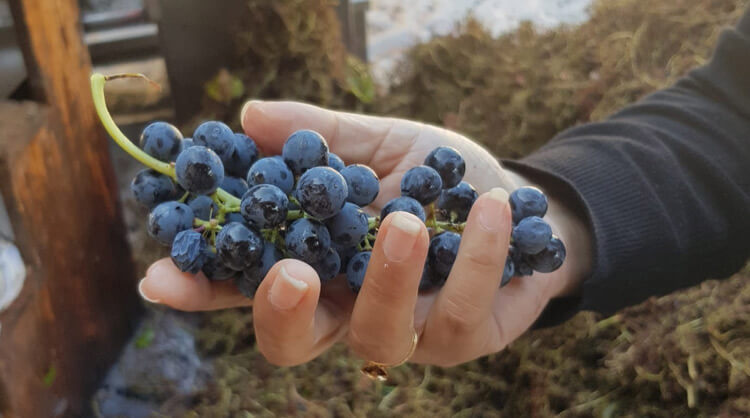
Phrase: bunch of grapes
{"type": "Point", "coordinates": [232, 214]}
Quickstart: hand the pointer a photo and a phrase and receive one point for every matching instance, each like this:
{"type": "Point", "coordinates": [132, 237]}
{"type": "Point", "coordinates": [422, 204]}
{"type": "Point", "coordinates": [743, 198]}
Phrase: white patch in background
{"type": "Point", "coordinates": [393, 26]}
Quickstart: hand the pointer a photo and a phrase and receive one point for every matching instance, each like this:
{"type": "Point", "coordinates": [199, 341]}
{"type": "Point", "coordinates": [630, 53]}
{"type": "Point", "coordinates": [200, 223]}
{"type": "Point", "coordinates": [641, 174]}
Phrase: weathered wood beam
{"type": "Point", "coordinates": [79, 302]}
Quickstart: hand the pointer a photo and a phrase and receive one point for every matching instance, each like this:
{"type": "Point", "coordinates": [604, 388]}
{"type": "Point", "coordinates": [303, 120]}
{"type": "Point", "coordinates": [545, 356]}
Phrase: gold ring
{"type": "Point", "coordinates": [379, 371]}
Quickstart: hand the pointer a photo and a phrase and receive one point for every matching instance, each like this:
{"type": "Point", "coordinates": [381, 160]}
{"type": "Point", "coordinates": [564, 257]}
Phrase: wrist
{"type": "Point", "coordinates": [569, 224]}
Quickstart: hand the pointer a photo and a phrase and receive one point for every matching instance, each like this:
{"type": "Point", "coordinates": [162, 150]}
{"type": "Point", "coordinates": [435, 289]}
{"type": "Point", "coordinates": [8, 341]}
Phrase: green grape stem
{"type": "Point", "coordinates": [221, 197]}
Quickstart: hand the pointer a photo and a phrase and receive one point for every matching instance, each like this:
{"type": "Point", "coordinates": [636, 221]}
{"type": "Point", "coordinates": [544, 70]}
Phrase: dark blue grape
{"type": "Point", "coordinates": [215, 270]}
{"type": "Point", "coordinates": [329, 266]}
{"type": "Point", "coordinates": [429, 281]}
{"type": "Point", "coordinates": [345, 254]}
{"type": "Point", "coordinates": [235, 186]}
{"type": "Point", "coordinates": [457, 201]}
{"type": "Point", "coordinates": [356, 269]}
{"type": "Point", "coordinates": [531, 235]}
{"type": "Point", "coordinates": [235, 217]}
{"type": "Point", "coordinates": [199, 170]}
{"type": "Point", "coordinates": [321, 191]}
{"type": "Point", "coordinates": [168, 219]}
{"type": "Point", "coordinates": [335, 162]}
{"type": "Point", "coordinates": [264, 206]}
{"type": "Point", "coordinates": [244, 155]}
{"type": "Point", "coordinates": [271, 170]}
{"type": "Point", "coordinates": [449, 163]}
{"type": "Point", "coordinates": [203, 207]}
{"type": "Point", "coordinates": [550, 258]}
{"type": "Point", "coordinates": [441, 254]}
{"type": "Point", "coordinates": [526, 202]}
{"type": "Point", "coordinates": [238, 246]}
{"type": "Point", "coordinates": [161, 141]}
{"type": "Point", "coordinates": [522, 267]}
{"type": "Point", "coordinates": [189, 251]}
{"type": "Point", "coordinates": [151, 188]}
{"type": "Point", "coordinates": [218, 137]}
{"type": "Point", "coordinates": [248, 282]}
{"type": "Point", "coordinates": [307, 240]}
{"type": "Point", "coordinates": [403, 204]}
{"type": "Point", "coordinates": [422, 183]}
{"type": "Point", "coordinates": [253, 276]}
{"type": "Point", "coordinates": [508, 271]}
{"type": "Point", "coordinates": [187, 143]}
{"type": "Point", "coordinates": [349, 227]}
{"type": "Point", "coordinates": [362, 184]}
{"type": "Point", "coordinates": [303, 150]}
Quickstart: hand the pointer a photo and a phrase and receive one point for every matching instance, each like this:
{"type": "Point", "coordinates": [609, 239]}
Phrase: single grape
{"type": "Point", "coordinates": [150, 188]}
{"type": "Point", "coordinates": [187, 143]}
{"type": "Point", "coordinates": [307, 240]}
{"type": "Point", "coordinates": [303, 150]}
{"type": "Point", "coordinates": [167, 219]}
{"type": "Point", "coordinates": [238, 246]}
{"type": "Point", "coordinates": [403, 204]}
{"type": "Point", "coordinates": [345, 254]}
{"type": "Point", "coordinates": [526, 202]}
{"type": "Point", "coordinates": [329, 266]}
{"type": "Point", "coordinates": [203, 207]}
{"type": "Point", "coordinates": [550, 258]}
{"type": "Point", "coordinates": [429, 281]}
{"type": "Point", "coordinates": [449, 163]}
{"type": "Point", "coordinates": [161, 141]}
{"type": "Point", "coordinates": [215, 270]}
{"type": "Point", "coordinates": [271, 170]}
{"type": "Point", "coordinates": [508, 271]}
{"type": "Point", "coordinates": [335, 162]}
{"type": "Point", "coordinates": [362, 184]}
{"type": "Point", "coordinates": [248, 282]}
{"type": "Point", "coordinates": [218, 137]}
{"type": "Point", "coordinates": [242, 158]}
{"type": "Point", "coordinates": [442, 253]}
{"type": "Point", "coordinates": [235, 186]}
{"type": "Point", "coordinates": [264, 206]}
{"type": "Point", "coordinates": [349, 227]}
{"type": "Point", "coordinates": [253, 276]}
{"type": "Point", "coordinates": [235, 217]}
{"type": "Point", "coordinates": [356, 269]}
{"type": "Point", "coordinates": [531, 235]}
{"type": "Point", "coordinates": [321, 191]}
{"type": "Point", "coordinates": [457, 201]}
{"type": "Point", "coordinates": [189, 251]}
{"type": "Point", "coordinates": [422, 183]}
{"type": "Point", "coordinates": [199, 170]}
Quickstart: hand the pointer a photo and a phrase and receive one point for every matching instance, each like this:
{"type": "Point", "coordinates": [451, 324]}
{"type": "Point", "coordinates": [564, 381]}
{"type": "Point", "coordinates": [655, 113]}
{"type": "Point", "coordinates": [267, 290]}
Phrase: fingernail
{"type": "Point", "coordinates": [245, 108]}
{"type": "Point", "coordinates": [490, 212]}
{"type": "Point", "coordinates": [143, 294]}
{"type": "Point", "coordinates": [401, 236]}
{"type": "Point", "coordinates": [286, 292]}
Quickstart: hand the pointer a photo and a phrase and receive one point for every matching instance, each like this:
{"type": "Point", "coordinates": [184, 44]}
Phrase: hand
{"type": "Point", "coordinates": [469, 317]}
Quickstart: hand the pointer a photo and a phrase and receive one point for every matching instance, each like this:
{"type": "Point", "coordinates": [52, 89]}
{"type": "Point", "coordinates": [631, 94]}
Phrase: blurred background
{"type": "Point", "coordinates": [508, 74]}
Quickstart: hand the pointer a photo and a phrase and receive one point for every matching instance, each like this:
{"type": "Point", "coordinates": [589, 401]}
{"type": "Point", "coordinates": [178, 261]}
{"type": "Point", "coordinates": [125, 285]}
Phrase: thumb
{"type": "Point", "coordinates": [354, 137]}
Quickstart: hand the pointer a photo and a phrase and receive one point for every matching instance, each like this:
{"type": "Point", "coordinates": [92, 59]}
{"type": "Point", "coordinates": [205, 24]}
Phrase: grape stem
{"type": "Point", "coordinates": [100, 103]}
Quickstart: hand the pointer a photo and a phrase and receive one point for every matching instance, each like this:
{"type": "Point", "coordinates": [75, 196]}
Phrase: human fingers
{"type": "Point", "coordinates": [166, 284]}
{"type": "Point", "coordinates": [464, 305]}
{"type": "Point", "coordinates": [291, 326]}
{"type": "Point", "coordinates": [382, 322]}
{"type": "Point", "coordinates": [355, 138]}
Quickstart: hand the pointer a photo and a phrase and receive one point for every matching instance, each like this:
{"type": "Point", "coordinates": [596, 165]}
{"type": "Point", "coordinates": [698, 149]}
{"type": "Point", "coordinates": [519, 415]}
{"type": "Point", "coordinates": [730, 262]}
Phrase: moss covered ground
{"type": "Point", "coordinates": [682, 355]}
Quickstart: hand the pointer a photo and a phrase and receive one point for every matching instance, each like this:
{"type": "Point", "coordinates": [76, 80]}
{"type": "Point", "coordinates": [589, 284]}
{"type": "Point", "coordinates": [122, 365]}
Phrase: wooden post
{"type": "Point", "coordinates": [79, 303]}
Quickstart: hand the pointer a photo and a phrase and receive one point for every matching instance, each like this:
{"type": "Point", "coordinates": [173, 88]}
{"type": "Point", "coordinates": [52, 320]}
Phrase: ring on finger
{"type": "Point", "coordinates": [379, 371]}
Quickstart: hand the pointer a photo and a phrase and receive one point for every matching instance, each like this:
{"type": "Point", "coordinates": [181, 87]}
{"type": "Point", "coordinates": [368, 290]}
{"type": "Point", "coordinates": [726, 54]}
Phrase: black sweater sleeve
{"type": "Point", "coordinates": [664, 183]}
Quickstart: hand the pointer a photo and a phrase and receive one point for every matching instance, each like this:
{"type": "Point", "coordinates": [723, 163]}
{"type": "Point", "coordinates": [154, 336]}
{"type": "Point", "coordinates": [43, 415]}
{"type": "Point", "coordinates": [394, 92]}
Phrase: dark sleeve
{"type": "Point", "coordinates": [664, 183]}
